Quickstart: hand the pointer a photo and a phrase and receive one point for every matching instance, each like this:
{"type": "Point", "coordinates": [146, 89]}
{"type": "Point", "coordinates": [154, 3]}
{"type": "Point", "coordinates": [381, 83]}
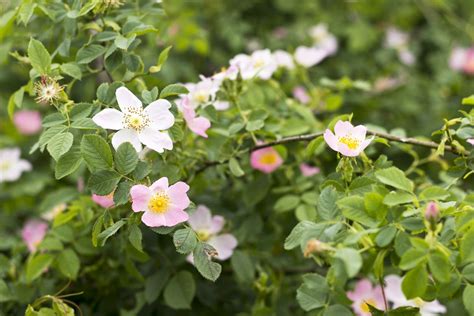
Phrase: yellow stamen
{"type": "Point", "coordinates": [351, 142]}
{"type": "Point", "coordinates": [203, 235]}
{"type": "Point", "coordinates": [159, 203]}
{"type": "Point", "coordinates": [364, 306]}
{"type": "Point", "coordinates": [269, 158]}
{"type": "Point", "coordinates": [4, 165]}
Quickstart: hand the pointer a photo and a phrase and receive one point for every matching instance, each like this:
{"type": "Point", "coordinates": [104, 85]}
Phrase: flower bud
{"type": "Point", "coordinates": [314, 246]}
{"type": "Point", "coordinates": [432, 212]}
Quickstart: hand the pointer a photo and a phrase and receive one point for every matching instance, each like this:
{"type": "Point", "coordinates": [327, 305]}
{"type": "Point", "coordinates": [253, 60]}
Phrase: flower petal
{"type": "Point", "coordinates": [159, 185]}
{"type": "Point", "coordinates": [174, 217]}
{"type": "Point", "coordinates": [331, 140]}
{"type": "Point", "coordinates": [200, 219]}
{"type": "Point", "coordinates": [346, 151]}
{"type": "Point", "coordinates": [343, 128]}
{"type": "Point", "coordinates": [177, 193]}
{"type": "Point", "coordinates": [216, 224]}
{"type": "Point", "coordinates": [158, 141]}
{"type": "Point", "coordinates": [152, 219]}
{"type": "Point", "coordinates": [160, 115]}
{"type": "Point", "coordinates": [199, 125]}
{"type": "Point", "coordinates": [126, 99]}
{"type": "Point", "coordinates": [109, 119]}
{"type": "Point", "coordinates": [359, 132]}
{"type": "Point", "coordinates": [140, 194]}
{"type": "Point", "coordinates": [127, 136]}
{"type": "Point", "coordinates": [224, 244]}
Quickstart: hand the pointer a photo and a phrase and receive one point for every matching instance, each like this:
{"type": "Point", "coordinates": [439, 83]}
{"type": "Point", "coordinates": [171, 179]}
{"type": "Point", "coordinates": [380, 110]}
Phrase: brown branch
{"type": "Point", "coordinates": [405, 140]}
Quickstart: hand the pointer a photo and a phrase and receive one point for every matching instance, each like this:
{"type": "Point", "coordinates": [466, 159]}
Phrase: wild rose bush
{"type": "Point", "coordinates": [263, 187]}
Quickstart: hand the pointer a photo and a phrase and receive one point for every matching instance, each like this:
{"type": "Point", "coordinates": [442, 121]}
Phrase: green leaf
{"type": "Point", "coordinates": [5, 293]}
{"type": "Point", "coordinates": [72, 69]}
{"type": "Point", "coordinates": [103, 182]}
{"type": "Point", "coordinates": [467, 247]}
{"type": "Point", "coordinates": [97, 228]}
{"type": "Point", "coordinates": [135, 237]}
{"type": "Point", "coordinates": [294, 239]}
{"type": "Point", "coordinates": [121, 194]}
{"type": "Point", "coordinates": [155, 284]}
{"type": "Point", "coordinates": [68, 163]}
{"type": "Point", "coordinates": [243, 267]}
{"type": "Point", "coordinates": [468, 273]}
{"type": "Point", "coordinates": [411, 258]}
{"type": "Point", "coordinates": [180, 291]}
{"type": "Point", "coordinates": [53, 120]}
{"type": "Point", "coordinates": [161, 60]}
{"type": "Point", "coordinates": [123, 42]}
{"type": "Point", "coordinates": [305, 212]}
{"type": "Point", "coordinates": [110, 231]}
{"type": "Point", "coordinates": [337, 310]}
{"type": "Point", "coordinates": [433, 193]}
{"type": "Point", "coordinates": [88, 54]}
{"type": "Point", "coordinates": [203, 253]}
{"type": "Point", "coordinates": [37, 265]}
{"type": "Point", "coordinates": [396, 178]}
{"type": "Point", "coordinates": [352, 260]}
{"type": "Point", "coordinates": [126, 158]}
{"type": "Point", "coordinates": [80, 111]}
{"type": "Point", "coordinates": [60, 144]}
{"type": "Point", "coordinates": [440, 266]}
{"type": "Point", "coordinates": [313, 292]}
{"type": "Point", "coordinates": [327, 207]}
{"type": "Point", "coordinates": [385, 236]}
{"type": "Point", "coordinates": [84, 123]}
{"type": "Point", "coordinates": [469, 100]}
{"type": "Point", "coordinates": [397, 198]}
{"type": "Point", "coordinates": [286, 203]}
{"type": "Point", "coordinates": [353, 208]}
{"type": "Point", "coordinates": [415, 282]}
{"type": "Point", "coordinates": [68, 263]}
{"type": "Point", "coordinates": [185, 240]}
{"type": "Point", "coordinates": [235, 168]}
{"type": "Point", "coordinates": [96, 152]}
{"type": "Point", "coordinates": [467, 298]}
{"type": "Point", "coordinates": [39, 57]}
{"type": "Point", "coordinates": [173, 90]}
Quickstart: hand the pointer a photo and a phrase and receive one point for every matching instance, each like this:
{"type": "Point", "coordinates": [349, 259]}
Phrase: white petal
{"type": "Point", "coordinates": [109, 119]}
{"type": "Point", "coordinates": [160, 115]}
{"type": "Point", "coordinates": [126, 99]}
{"type": "Point", "coordinates": [158, 141]}
{"type": "Point", "coordinates": [126, 136]}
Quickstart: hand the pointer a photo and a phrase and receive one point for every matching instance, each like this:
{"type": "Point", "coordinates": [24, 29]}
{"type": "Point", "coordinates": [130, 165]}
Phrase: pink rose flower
{"type": "Point", "coordinates": [348, 140]}
{"type": "Point", "coordinates": [163, 205]}
{"type": "Point", "coordinates": [266, 160]}
{"type": "Point", "coordinates": [300, 94]}
{"type": "Point", "coordinates": [394, 294]}
{"type": "Point", "coordinates": [309, 56]}
{"type": "Point", "coordinates": [33, 233]}
{"type": "Point", "coordinates": [197, 124]}
{"type": "Point", "coordinates": [105, 201]}
{"type": "Point", "coordinates": [207, 228]}
{"type": "Point", "coordinates": [308, 170]}
{"type": "Point", "coordinates": [363, 295]}
{"type": "Point", "coordinates": [462, 59]}
{"type": "Point", "coordinates": [27, 122]}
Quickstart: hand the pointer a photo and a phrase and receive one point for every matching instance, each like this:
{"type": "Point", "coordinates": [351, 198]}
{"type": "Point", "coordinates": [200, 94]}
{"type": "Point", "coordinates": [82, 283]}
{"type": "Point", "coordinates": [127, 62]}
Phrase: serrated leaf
{"type": "Point", "coordinates": [96, 152]}
{"type": "Point", "coordinates": [396, 178]}
{"type": "Point", "coordinates": [180, 291]}
{"type": "Point", "coordinates": [235, 168]}
{"type": "Point", "coordinates": [126, 158]}
{"type": "Point", "coordinates": [185, 240]}
{"type": "Point", "coordinates": [37, 265]}
{"type": "Point", "coordinates": [88, 54]}
{"type": "Point", "coordinates": [72, 69]}
{"type": "Point", "coordinates": [103, 182]}
{"type": "Point", "coordinates": [39, 57]}
{"type": "Point", "coordinates": [68, 263]}
{"type": "Point", "coordinates": [60, 144]}
{"type": "Point", "coordinates": [173, 90]}
{"type": "Point", "coordinates": [68, 163]}
{"type": "Point", "coordinates": [110, 231]}
{"type": "Point", "coordinates": [203, 261]}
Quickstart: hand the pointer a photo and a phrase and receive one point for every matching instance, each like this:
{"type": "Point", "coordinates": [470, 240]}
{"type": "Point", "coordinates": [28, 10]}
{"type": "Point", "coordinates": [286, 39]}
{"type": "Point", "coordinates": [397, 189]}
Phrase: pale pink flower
{"type": "Point", "coordinates": [201, 93]}
{"type": "Point", "coordinates": [457, 58]}
{"type": "Point", "coordinates": [363, 295]}
{"type": "Point", "coordinates": [137, 125]}
{"type": "Point", "coordinates": [163, 205]}
{"type": "Point", "coordinates": [197, 124]}
{"type": "Point", "coordinates": [55, 211]}
{"type": "Point", "coordinates": [308, 170]}
{"type": "Point", "coordinates": [398, 40]}
{"type": "Point", "coordinates": [27, 122]}
{"type": "Point", "coordinates": [470, 141]}
{"type": "Point", "coordinates": [300, 94]}
{"type": "Point", "coordinates": [207, 228]}
{"type": "Point", "coordinates": [469, 63]}
{"type": "Point", "coordinates": [309, 56]}
{"type": "Point", "coordinates": [104, 201]}
{"type": "Point", "coordinates": [260, 64]}
{"type": "Point", "coordinates": [33, 233]}
{"type": "Point", "coordinates": [348, 140]}
{"type": "Point", "coordinates": [266, 160]}
{"type": "Point", "coordinates": [394, 294]}
{"type": "Point", "coordinates": [406, 57]}
{"type": "Point", "coordinates": [323, 39]}
{"type": "Point", "coordinates": [11, 166]}
{"type": "Point", "coordinates": [283, 59]}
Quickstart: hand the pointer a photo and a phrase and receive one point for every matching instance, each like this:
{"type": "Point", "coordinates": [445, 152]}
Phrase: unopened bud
{"type": "Point", "coordinates": [314, 246]}
{"type": "Point", "coordinates": [432, 212]}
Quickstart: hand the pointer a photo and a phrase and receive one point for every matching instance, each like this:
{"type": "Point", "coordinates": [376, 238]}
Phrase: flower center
{"type": "Point", "coordinates": [268, 158]}
{"type": "Point", "coordinates": [418, 302]}
{"type": "Point", "coordinates": [5, 165]}
{"type": "Point", "coordinates": [259, 63]}
{"type": "Point", "coordinates": [350, 142]}
{"type": "Point", "coordinates": [203, 235]}
{"type": "Point", "coordinates": [159, 203]}
{"type": "Point", "coordinates": [135, 119]}
{"type": "Point", "coordinates": [364, 306]}
{"type": "Point", "coordinates": [200, 97]}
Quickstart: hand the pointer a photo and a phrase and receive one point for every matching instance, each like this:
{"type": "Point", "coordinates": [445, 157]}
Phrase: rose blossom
{"type": "Point", "coordinates": [33, 233]}
{"type": "Point", "coordinates": [105, 201]}
{"type": "Point", "coordinates": [308, 171]}
{"type": "Point", "coordinates": [27, 122]}
{"type": "Point", "coordinates": [363, 295]}
{"type": "Point", "coordinates": [265, 159]}
{"type": "Point", "coordinates": [347, 139]}
{"type": "Point", "coordinates": [11, 166]}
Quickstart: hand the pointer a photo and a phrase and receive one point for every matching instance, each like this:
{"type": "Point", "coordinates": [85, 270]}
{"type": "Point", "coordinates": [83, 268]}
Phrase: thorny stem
{"type": "Point", "coordinates": [383, 294]}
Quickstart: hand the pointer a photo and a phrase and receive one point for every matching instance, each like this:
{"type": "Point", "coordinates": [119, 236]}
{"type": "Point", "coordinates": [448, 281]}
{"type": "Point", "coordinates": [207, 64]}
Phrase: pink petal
{"type": "Point", "coordinates": [158, 141]}
{"type": "Point", "coordinates": [177, 193]}
{"type": "Point", "coordinates": [140, 197]}
{"type": "Point", "coordinates": [257, 156]}
{"type": "Point", "coordinates": [201, 218]}
{"type": "Point", "coordinates": [224, 244]}
{"type": "Point", "coordinates": [216, 224]}
{"type": "Point", "coordinates": [109, 119]}
{"type": "Point", "coordinates": [174, 217]}
{"type": "Point", "coordinates": [359, 132]}
{"type": "Point", "coordinates": [127, 136]}
{"type": "Point", "coordinates": [152, 219]}
{"type": "Point", "coordinates": [199, 126]}
{"type": "Point", "coordinates": [27, 122]}
{"type": "Point", "coordinates": [126, 99]}
{"type": "Point", "coordinates": [362, 289]}
{"type": "Point", "coordinates": [331, 140]}
{"type": "Point", "coordinates": [433, 307]}
{"type": "Point", "coordinates": [159, 185]}
{"type": "Point", "coordinates": [105, 201]}
{"type": "Point", "coordinates": [342, 128]}
{"type": "Point", "coordinates": [457, 58]}
{"type": "Point", "coordinates": [33, 233]}
{"type": "Point", "coordinates": [346, 151]}
{"type": "Point", "coordinates": [393, 289]}
{"type": "Point", "coordinates": [160, 115]}
{"type": "Point", "coordinates": [308, 170]}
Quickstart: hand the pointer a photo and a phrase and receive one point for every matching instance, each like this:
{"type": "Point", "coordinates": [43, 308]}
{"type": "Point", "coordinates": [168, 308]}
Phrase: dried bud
{"type": "Point", "coordinates": [314, 246]}
{"type": "Point", "coordinates": [48, 91]}
{"type": "Point", "coordinates": [432, 212]}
